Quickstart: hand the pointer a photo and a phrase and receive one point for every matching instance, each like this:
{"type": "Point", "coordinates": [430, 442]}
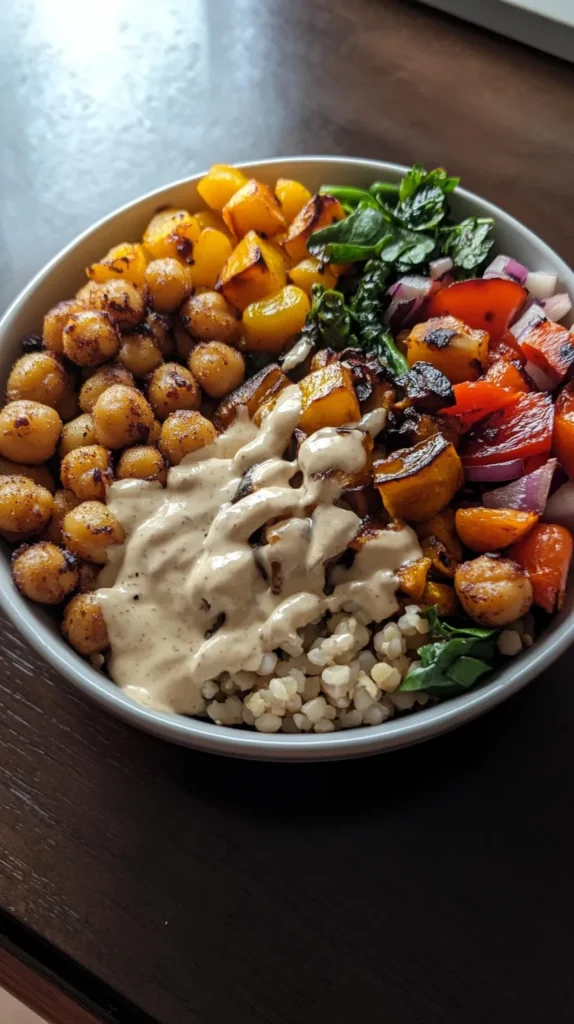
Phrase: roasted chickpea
{"type": "Point", "coordinates": [84, 625]}
{"type": "Point", "coordinates": [159, 328]}
{"type": "Point", "coordinates": [173, 387]}
{"type": "Point", "coordinates": [55, 321]}
{"type": "Point", "coordinates": [142, 463]}
{"type": "Point", "coordinates": [90, 338]}
{"type": "Point", "coordinates": [493, 591]}
{"type": "Point", "coordinates": [155, 432]}
{"type": "Point", "coordinates": [76, 433]}
{"type": "Point", "coordinates": [183, 432]}
{"type": "Point", "coordinates": [218, 367]}
{"type": "Point", "coordinates": [84, 294]}
{"type": "Point", "coordinates": [184, 343]}
{"type": "Point", "coordinates": [90, 529]}
{"type": "Point", "coordinates": [122, 417]}
{"type": "Point", "coordinates": [168, 282]}
{"type": "Point", "coordinates": [88, 577]}
{"type": "Point", "coordinates": [87, 472]}
{"type": "Point", "coordinates": [44, 572]}
{"type": "Point", "coordinates": [29, 432]}
{"type": "Point", "coordinates": [208, 317]}
{"type": "Point", "coordinates": [39, 474]}
{"type": "Point", "coordinates": [68, 407]}
{"type": "Point", "coordinates": [121, 300]}
{"type": "Point", "coordinates": [38, 376]}
{"type": "Point", "coordinates": [139, 353]}
{"type": "Point", "coordinates": [64, 502]}
{"type": "Point", "coordinates": [100, 380]}
{"type": "Point", "coordinates": [25, 507]}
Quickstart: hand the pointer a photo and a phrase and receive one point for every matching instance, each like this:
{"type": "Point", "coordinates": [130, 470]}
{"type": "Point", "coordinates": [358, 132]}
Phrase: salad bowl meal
{"type": "Point", "coordinates": [285, 458]}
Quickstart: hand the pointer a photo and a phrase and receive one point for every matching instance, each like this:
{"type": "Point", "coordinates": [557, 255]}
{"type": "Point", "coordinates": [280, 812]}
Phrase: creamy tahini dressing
{"type": "Point", "coordinates": [187, 596]}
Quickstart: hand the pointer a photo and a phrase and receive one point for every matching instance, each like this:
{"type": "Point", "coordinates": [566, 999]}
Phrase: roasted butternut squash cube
{"type": "Point", "coordinates": [254, 269]}
{"type": "Point", "coordinates": [268, 324]}
{"type": "Point", "coordinates": [210, 254]}
{"type": "Point", "coordinates": [416, 483]}
{"type": "Point", "coordinates": [128, 261]}
{"type": "Point", "coordinates": [254, 207]}
{"type": "Point", "coordinates": [413, 577]}
{"type": "Point", "coordinates": [219, 184]}
{"type": "Point", "coordinates": [349, 482]}
{"type": "Point", "coordinates": [442, 562]}
{"type": "Point", "coordinates": [442, 596]}
{"type": "Point", "coordinates": [458, 351]}
{"type": "Point", "coordinates": [172, 233]}
{"type": "Point", "coordinates": [319, 212]}
{"type": "Point", "coordinates": [329, 399]}
{"type": "Point", "coordinates": [443, 528]}
{"type": "Point", "coordinates": [261, 388]}
{"type": "Point", "coordinates": [311, 271]}
{"type": "Point", "coordinates": [292, 195]}
{"type": "Point", "coordinates": [363, 501]}
{"type": "Point", "coordinates": [371, 527]}
{"type": "Point", "coordinates": [211, 219]}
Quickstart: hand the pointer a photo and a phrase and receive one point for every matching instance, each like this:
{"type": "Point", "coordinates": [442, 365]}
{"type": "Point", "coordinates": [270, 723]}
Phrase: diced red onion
{"type": "Point", "coordinates": [438, 268]}
{"type": "Point", "coordinates": [412, 286]}
{"type": "Point", "coordinates": [560, 506]}
{"type": "Point", "coordinates": [541, 286]}
{"type": "Point", "coordinates": [506, 267]}
{"type": "Point", "coordinates": [528, 494]}
{"type": "Point", "coordinates": [496, 473]}
{"type": "Point", "coordinates": [401, 312]}
{"type": "Point", "coordinates": [557, 306]}
{"type": "Point", "coordinates": [533, 316]}
{"type": "Point", "coordinates": [541, 379]}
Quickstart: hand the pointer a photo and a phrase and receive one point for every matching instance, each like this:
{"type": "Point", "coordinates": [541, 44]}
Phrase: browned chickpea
{"type": "Point", "coordinates": [44, 572]}
{"type": "Point", "coordinates": [39, 474]}
{"type": "Point", "coordinates": [68, 408]}
{"type": "Point", "coordinates": [122, 417]}
{"type": "Point", "coordinates": [84, 294]}
{"type": "Point", "coordinates": [159, 328]}
{"type": "Point", "coordinates": [25, 507]}
{"type": "Point", "coordinates": [29, 432]}
{"type": "Point", "coordinates": [100, 380]}
{"type": "Point", "coordinates": [139, 353]}
{"type": "Point", "coordinates": [121, 300]}
{"type": "Point", "coordinates": [168, 282]}
{"type": "Point", "coordinates": [64, 502]}
{"type": "Point", "coordinates": [173, 387]}
{"type": "Point", "coordinates": [183, 432]}
{"type": "Point", "coordinates": [77, 432]}
{"type": "Point", "coordinates": [184, 343]}
{"type": "Point", "coordinates": [142, 463]}
{"type": "Point", "coordinates": [38, 376]}
{"type": "Point", "coordinates": [87, 472]}
{"type": "Point", "coordinates": [90, 529]}
{"type": "Point", "coordinates": [208, 317]}
{"type": "Point", "coordinates": [493, 591]}
{"type": "Point", "coordinates": [84, 625]}
{"type": "Point", "coordinates": [55, 321]}
{"type": "Point", "coordinates": [218, 367]}
{"type": "Point", "coordinates": [155, 432]}
{"type": "Point", "coordinates": [88, 577]}
{"type": "Point", "coordinates": [90, 338]}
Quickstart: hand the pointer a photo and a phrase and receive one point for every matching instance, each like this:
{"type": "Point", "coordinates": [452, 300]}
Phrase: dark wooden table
{"type": "Point", "coordinates": [431, 886]}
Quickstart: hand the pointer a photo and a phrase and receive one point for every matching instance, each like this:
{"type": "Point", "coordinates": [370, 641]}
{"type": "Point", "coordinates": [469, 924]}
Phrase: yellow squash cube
{"type": "Point", "coordinates": [268, 324]}
{"type": "Point", "coordinates": [311, 271]}
{"type": "Point", "coordinates": [254, 207]}
{"type": "Point", "coordinates": [172, 233]}
{"type": "Point", "coordinates": [127, 261]}
{"type": "Point", "coordinates": [292, 195]}
{"type": "Point", "coordinates": [318, 213]}
{"type": "Point", "coordinates": [219, 184]}
{"type": "Point", "coordinates": [210, 254]}
{"type": "Point", "coordinates": [254, 269]}
{"type": "Point", "coordinates": [210, 219]}
{"type": "Point", "coordinates": [329, 399]}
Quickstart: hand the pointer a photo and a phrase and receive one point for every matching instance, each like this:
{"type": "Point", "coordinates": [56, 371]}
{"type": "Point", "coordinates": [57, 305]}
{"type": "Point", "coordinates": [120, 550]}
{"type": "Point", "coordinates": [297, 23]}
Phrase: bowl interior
{"type": "Point", "coordinates": [60, 279]}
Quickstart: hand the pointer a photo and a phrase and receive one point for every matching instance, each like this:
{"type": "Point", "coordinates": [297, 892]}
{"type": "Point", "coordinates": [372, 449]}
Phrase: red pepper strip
{"type": "Point", "coordinates": [521, 430]}
{"type": "Point", "coordinates": [546, 553]}
{"type": "Point", "coordinates": [550, 347]}
{"type": "Point", "coordinates": [477, 399]}
{"type": "Point", "coordinates": [488, 304]}
{"type": "Point", "coordinates": [508, 375]}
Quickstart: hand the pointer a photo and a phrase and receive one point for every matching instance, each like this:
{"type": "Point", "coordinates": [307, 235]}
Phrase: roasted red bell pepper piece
{"type": "Point", "coordinates": [509, 375]}
{"type": "Point", "coordinates": [476, 399]}
{"type": "Point", "coordinates": [488, 304]}
{"type": "Point", "coordinates": [563, 441]}
{"type": "Point", "coordinates": [521, 430]}
{"type": "Point", "coordinates": [550, 347]}
{"type": "Point", "coordinates": [546, 553]}
{"type": "Point", "coordinates": [507, 348]}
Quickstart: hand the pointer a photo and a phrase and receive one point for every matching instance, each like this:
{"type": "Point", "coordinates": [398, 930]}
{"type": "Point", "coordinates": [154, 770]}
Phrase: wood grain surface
{"type": "Point", "coordinates": [431, 886]}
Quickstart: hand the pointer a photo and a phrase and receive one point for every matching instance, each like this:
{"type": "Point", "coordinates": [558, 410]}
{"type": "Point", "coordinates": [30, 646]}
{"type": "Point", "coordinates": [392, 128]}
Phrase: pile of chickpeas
{"type": "Point", "coordinates": [120, 385]}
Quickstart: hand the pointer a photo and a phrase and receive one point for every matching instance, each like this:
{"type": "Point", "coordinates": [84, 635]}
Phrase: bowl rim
{"type": "Point", "coordinates": [203, 735]}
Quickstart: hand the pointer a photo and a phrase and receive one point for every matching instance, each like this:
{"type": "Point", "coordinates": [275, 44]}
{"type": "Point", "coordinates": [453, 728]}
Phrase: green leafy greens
{"type": "Point", "coordinates": [329, 321]}
{"type": "Point", "coordinates": [456, 659]}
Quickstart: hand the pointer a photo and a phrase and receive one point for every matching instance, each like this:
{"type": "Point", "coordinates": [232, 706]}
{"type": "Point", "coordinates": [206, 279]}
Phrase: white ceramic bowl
{"type": "Point", "coordinates": [60, 279]}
